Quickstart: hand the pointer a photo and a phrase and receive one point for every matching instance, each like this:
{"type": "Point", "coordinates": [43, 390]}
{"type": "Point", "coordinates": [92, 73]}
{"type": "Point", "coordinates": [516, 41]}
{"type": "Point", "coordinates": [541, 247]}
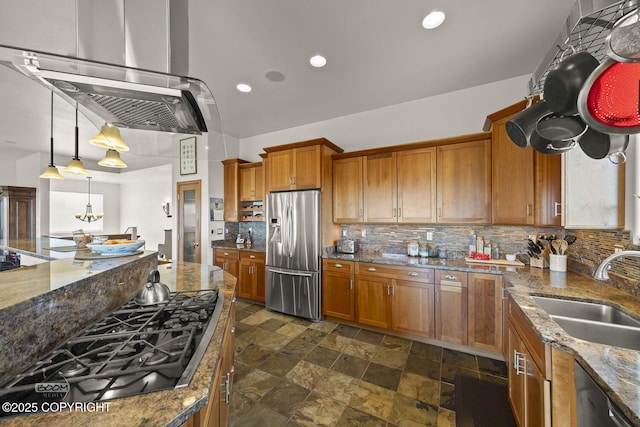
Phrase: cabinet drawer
{"type": "Point", "coordinates": [230, 254]}
{"type": "Point", "coordinates": [532, 341]}
{"type": "Point", "coordinates": [252, 256]}
{"type": "Point", "coordinates": [424, 275]}
{"type": "Point", "coordinates": [338, 266]}
{"type": "Point", "coordinates": [454, 278]}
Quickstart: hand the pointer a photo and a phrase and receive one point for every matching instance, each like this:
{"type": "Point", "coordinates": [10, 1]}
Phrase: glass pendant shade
{"type": "Point", "coordinates": [112, 160]}
{"type": "Point", "coordinates": [51, 172]}
{"type": "Point", "coordinates": [109, 138]}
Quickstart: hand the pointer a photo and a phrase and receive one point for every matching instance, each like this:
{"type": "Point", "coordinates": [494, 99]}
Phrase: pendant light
{"type": "Point", "coordinates": [51, 172]}
{"type": "Point", "coordinates": [112, 160]}
{"type": "Point", "coordinates": [109, 138]}
{"type": "Point", "coordinates": [75, 165]}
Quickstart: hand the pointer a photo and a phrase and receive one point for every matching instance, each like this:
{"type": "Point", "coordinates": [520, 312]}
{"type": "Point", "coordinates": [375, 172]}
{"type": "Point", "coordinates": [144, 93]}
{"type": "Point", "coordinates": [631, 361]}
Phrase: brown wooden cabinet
{"type": "Point", "coordinates": [393, 297]}
{"type": "Point", "coordinates": [231, 188]}
{"type": "Point", "coordinates": [338, 293]}
{"type": "Point", "coordinates": [548, 189]}
{"type": "Point", "coordinates": [251, 276]}
{"type": "Point", "coordinates": [529, 389]}
{"type": "Point", "coordinates": [380, 188]}
{"type": "Point", "coordinates": [227, 259]}
{"type": "Point", "coordinates": [416, 170]}
{"type": "Point", "coordinates": [216, 411]}
{"type": "Point", "coordinates": [464, 182]}
{"type": "Point", "coordinates": [251, 192]}
{"type": "Point", "coordinates": [21, 211]}
{"type": "Point", "coordinates": [295, 168]}
{"type": "Point", "coordinates": [347, 190]}
{"type": "Point", "coordinates": [451, 306]}
{"type": "Point", "coordinates": [485, 311]}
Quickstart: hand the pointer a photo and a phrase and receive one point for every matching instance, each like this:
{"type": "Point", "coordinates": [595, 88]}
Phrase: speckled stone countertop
{"type": "Point", "coordinates": [169, 407]}
{"type": "Point", "coordinates": [615, 369]}
{"type": "Point", "coordinates": [225, 244]}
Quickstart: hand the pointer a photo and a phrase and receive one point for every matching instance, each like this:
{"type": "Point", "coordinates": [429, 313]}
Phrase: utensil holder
{"type": "Point", "coordinates": [539, 262]}
{"type": "Point", "coordinates": [558, 263]}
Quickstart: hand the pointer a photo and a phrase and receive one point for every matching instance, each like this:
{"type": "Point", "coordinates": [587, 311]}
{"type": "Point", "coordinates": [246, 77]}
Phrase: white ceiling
{"type": "Point", "coordinates": [378, 55]}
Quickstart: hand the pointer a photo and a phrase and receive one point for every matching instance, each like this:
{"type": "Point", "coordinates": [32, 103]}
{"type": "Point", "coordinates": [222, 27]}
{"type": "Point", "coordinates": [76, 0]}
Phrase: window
{"type": "Point", "coordinates": [64, 205]}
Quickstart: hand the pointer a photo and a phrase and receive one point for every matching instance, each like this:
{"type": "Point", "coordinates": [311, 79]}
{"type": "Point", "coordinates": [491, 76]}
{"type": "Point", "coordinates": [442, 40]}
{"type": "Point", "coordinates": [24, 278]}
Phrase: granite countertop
{"type": "Point", "coordinates": [226, 244]}
{"type": "Point", "coordinates": [42, 247]}
{"type": "Point", "coordinates": [615, 369]}
{"type": "Point", "coordinates": [56, 285]}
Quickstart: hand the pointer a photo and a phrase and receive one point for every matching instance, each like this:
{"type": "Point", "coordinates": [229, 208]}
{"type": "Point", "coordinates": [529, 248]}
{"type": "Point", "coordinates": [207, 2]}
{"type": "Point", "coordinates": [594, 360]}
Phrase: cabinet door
{"type": "Point", "coordinates": [485, 311]}
{"type": "Point", "coordinates": [248, 184]}
{"type": "Point", "coordinates": [244, 284]}
{"type": "Point", "coordinates": [259, 281]}
{"type": "Point", "coordinates": [515, 363]}
{"type": "Point", "coordinates": [417, 185]}
{"type": "Point", "coordinates": [347, 190]}
{"type": "Point", "coordinates": [548, 189]}
{"type": "Point", "coordinates": [534, 403]}
{"type": "Point", "coordinates": [306, 167]}
{"type": "Point", "coordinates": [412, 308]}
{"type": "Point", "coordinates": [380, 197]}
{"type": "Point", "coordinates": [512, 184]}
{"type": "Point", "coordinates": [258, 173]}
{"type": "Point", "coordinates": [338, 295]}
{"type": "Point", "coordinates": [464, 182]}
{"type": "Point", "coordinates": [451, 313]}
{"type": "Point", "coordinates": [227, 260]}
{"type": "Point", "coordinates": [279, 170]}
{"type": "Point", "coordinates": [372, 297]}
{"type": "Point", "coordinates": [231, 178]}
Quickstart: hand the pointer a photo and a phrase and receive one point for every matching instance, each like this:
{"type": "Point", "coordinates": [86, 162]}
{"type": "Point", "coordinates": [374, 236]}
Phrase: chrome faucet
{"type": "Point", "coordinates": [602, 272]}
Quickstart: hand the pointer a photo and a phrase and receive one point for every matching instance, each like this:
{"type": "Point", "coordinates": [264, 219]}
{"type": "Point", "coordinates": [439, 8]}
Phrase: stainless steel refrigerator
{"type": "Point", "coordinates": [293, 253]}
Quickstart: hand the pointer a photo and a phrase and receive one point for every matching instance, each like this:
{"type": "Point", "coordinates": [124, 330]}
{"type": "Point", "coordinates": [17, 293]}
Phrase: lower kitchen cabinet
{"type": "Point", "coordinates": [216, 411]}
{"type": "Point", "coordinates": [251, 277]}
{"type": "Point", "coordinates": [485, 311]}
{"type": "Point", "coordinates": [338, 294]}
{"type": "Point", "coordinates": [227, 259]}
{"type": "Point", "coordinates": [412, 305]}
{"type": "Point", "coordinates": [373, 295]}
{"type": "Point", "coordinates": [529, 389]}
{"type": "Point", "coordinates": [451, 306]}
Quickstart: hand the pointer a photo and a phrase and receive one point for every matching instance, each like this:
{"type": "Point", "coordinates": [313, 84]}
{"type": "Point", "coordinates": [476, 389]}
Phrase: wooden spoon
{"type": "Point", "coordinates": [564, 245]}
{"type": "Point", "coordinates": [556, 246]}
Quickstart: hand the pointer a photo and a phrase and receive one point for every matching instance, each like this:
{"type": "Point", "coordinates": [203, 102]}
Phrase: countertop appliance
{"type": "Point", "coordinates": [593, 405]}
{"type": "Point", "coordinates": [134, 350]}
{"type": "Point", "coordinates": [293, 253]}
{"type": "Point", "coordinates": [347, 246]}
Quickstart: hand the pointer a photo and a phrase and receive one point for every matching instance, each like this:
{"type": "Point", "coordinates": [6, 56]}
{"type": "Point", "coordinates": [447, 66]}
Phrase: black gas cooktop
{"type": "Point", "coordinates": [136, 349]}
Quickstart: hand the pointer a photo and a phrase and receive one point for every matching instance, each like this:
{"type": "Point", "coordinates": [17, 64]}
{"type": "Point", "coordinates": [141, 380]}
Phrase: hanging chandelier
{"type": "Point", "coordinates": [89, 216]}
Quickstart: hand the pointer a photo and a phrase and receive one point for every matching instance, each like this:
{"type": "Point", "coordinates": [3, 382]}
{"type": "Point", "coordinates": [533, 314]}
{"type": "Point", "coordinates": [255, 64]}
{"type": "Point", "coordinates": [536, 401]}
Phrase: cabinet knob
{"type": "Point", "coordinates": [371, 269]}
{"type": "Point", "coordinates": [226, 253]}
{"type": "Point", "coordinates": [412, 274]}
{"type": "Point", "coordinates": [450, 277]}
{"type": "Point", "coordinates": [556, 209]}
{"type": "Point", "coordinates": [252, 256]}
{"type": "Point", "coordinates": [337, 265]}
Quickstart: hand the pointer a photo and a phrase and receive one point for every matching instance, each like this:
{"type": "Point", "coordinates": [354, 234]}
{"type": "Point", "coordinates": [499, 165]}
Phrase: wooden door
{"type": "Point", "coordinates": [451, 313]}
{"type": "Point", "coordinates": [280, 170]}
{"type": "Point", "coordinates": [372, 301]}
{"type": "Point", "coordinates": [515, 375]}
{"type": "Point", "coordinates": [485, 311]}
{"type": "Point", "coordinates": [464, 182]}
{"type": "Point", "coordinates": [189, 208]}
{"type": "Point", "coordinates": [416, 177]}
{"type": "Point", "coordinates": [512, 182]}
{"type": "Point", "coordinates": [347, 190]}
{"type": "Point", "coordinates": [247, 184]}
{"type": "Point", "coordinates": [380, 197]}
{"type": "Point", "coordinates": [227, 260]}
{"type": "Point", "coordinates": [306, 167]}
{"type": "Point", "coordinates": [534, 402]}
{"type": "Point", "coordinates": [22, 213]}
{"type": "Point", "coordinates": [548, 189]}
{"type": "Point", "coordinates": [245, 280]}
{"type": "Point", "coordinates": [413, 308]}
{"type": "Point", "coordinates": [338, 290]}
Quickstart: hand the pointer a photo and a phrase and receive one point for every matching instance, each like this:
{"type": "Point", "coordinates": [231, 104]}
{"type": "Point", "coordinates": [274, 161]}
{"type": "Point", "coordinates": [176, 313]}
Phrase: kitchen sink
{"type": "Point", "coordinates": [595, 322]}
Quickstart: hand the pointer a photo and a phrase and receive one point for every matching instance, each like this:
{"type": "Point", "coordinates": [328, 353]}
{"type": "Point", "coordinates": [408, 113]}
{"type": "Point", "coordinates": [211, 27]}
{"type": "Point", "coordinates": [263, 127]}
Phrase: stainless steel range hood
{"type": "Point", "coordinates": [124, 96]}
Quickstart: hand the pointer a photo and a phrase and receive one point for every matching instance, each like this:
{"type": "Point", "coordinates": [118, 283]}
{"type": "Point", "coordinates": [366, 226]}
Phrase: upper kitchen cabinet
{"type": "Point", "coordinates": [416, 171]}
{"type": "Point", "coordinates": [464, 181]}
{"type": "Point", "coordinates": [251, 191]}
{"type": "Point", "coordinates": [526, 185]}
{"type": "Point", "coordinates": [347, 190]}
{"type": "Point", "coordinates": [231, 187]}
{"type": "Point", "coordinates": [298, 166]}
{"type": "Point", "coordinates": [380, 189]}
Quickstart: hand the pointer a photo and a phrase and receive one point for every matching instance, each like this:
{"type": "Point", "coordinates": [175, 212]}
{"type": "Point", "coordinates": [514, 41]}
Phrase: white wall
{"type": "Point", "coordinates": [451, 114]}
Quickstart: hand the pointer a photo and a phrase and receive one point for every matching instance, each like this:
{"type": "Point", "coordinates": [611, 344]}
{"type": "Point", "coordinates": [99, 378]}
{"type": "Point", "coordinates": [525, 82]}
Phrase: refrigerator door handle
{"type": "Point", "coordinates": [290, 225]}
{"type": "Point", "coordinates": [289, 273]}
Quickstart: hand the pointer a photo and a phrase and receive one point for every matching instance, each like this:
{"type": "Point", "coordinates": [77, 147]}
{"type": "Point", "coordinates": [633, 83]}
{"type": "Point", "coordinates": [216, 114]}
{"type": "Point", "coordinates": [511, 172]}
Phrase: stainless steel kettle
{"type": "Point", "coordinates": [153, 292]}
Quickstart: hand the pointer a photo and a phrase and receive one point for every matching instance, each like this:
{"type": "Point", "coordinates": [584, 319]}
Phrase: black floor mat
{"type": "Point", "coordinates": [481, 403]}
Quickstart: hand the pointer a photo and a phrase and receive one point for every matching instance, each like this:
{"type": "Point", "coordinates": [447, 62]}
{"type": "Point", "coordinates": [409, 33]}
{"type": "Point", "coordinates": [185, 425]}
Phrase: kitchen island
{"type": "Point", "coordinates": [45, 304]}
{"type": "Point", "coordinates": [615, 369]}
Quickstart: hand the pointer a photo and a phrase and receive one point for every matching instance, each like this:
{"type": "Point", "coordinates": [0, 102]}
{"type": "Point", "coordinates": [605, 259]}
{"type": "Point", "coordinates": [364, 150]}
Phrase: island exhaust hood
{"type": "Point", "coordinates": [124, 96]}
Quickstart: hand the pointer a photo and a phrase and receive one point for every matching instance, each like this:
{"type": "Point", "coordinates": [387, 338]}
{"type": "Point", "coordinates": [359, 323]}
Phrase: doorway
{"type": "Point", "coordinates": [189, 207]}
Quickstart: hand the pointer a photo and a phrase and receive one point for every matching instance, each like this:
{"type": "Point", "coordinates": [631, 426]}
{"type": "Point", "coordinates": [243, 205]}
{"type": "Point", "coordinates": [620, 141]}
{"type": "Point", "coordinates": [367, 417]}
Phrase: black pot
{"type": "Point", "coordinates": [599, 145]}
{"type": "Point", "coordinates": [562, 84]}
{"type": "Point", "coordinates": [521, 127]}
{"type": "Point", "coordinates": [557, 134]}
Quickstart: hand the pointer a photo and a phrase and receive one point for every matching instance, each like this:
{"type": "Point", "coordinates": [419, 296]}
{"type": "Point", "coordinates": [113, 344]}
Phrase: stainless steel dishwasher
{"type": "Point", "coordinates": [595, 409]}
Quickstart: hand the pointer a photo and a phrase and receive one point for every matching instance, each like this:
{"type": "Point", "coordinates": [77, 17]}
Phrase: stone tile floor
{"type": "Point", "coordinates": [293, 372]}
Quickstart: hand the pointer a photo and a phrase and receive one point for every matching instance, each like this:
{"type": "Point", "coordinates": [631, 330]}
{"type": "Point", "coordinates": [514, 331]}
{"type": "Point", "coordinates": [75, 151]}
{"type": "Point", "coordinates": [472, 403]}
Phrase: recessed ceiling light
{"type": "Point", "coordinates": [318, 61]}
{"type": "Point", "coordinates": [243, 87]}
{"type": "Point", "coordinates": [433, 20]}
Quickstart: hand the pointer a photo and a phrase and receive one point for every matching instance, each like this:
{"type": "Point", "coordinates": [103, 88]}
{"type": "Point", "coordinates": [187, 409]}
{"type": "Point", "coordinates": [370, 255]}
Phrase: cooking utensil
{"type": "Point", "coordinates": [598, 145]}
{"type": "Point", "coordinates": [563, 247]}
{"type": "Point", "coordinates": [153, 292]}
{"type": "Point", "coordinates": [556, 246]}
{"type": "Point", "coordinates": [623, 42]}
{"type": "Point", "coordinates": [608, 101]}
{"type": "Point", "coordinates": [557, 134]}
{"type": "Point", "coordinates": [562, 84]}
{"type": "Point", "coordinates": [521, 127]}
